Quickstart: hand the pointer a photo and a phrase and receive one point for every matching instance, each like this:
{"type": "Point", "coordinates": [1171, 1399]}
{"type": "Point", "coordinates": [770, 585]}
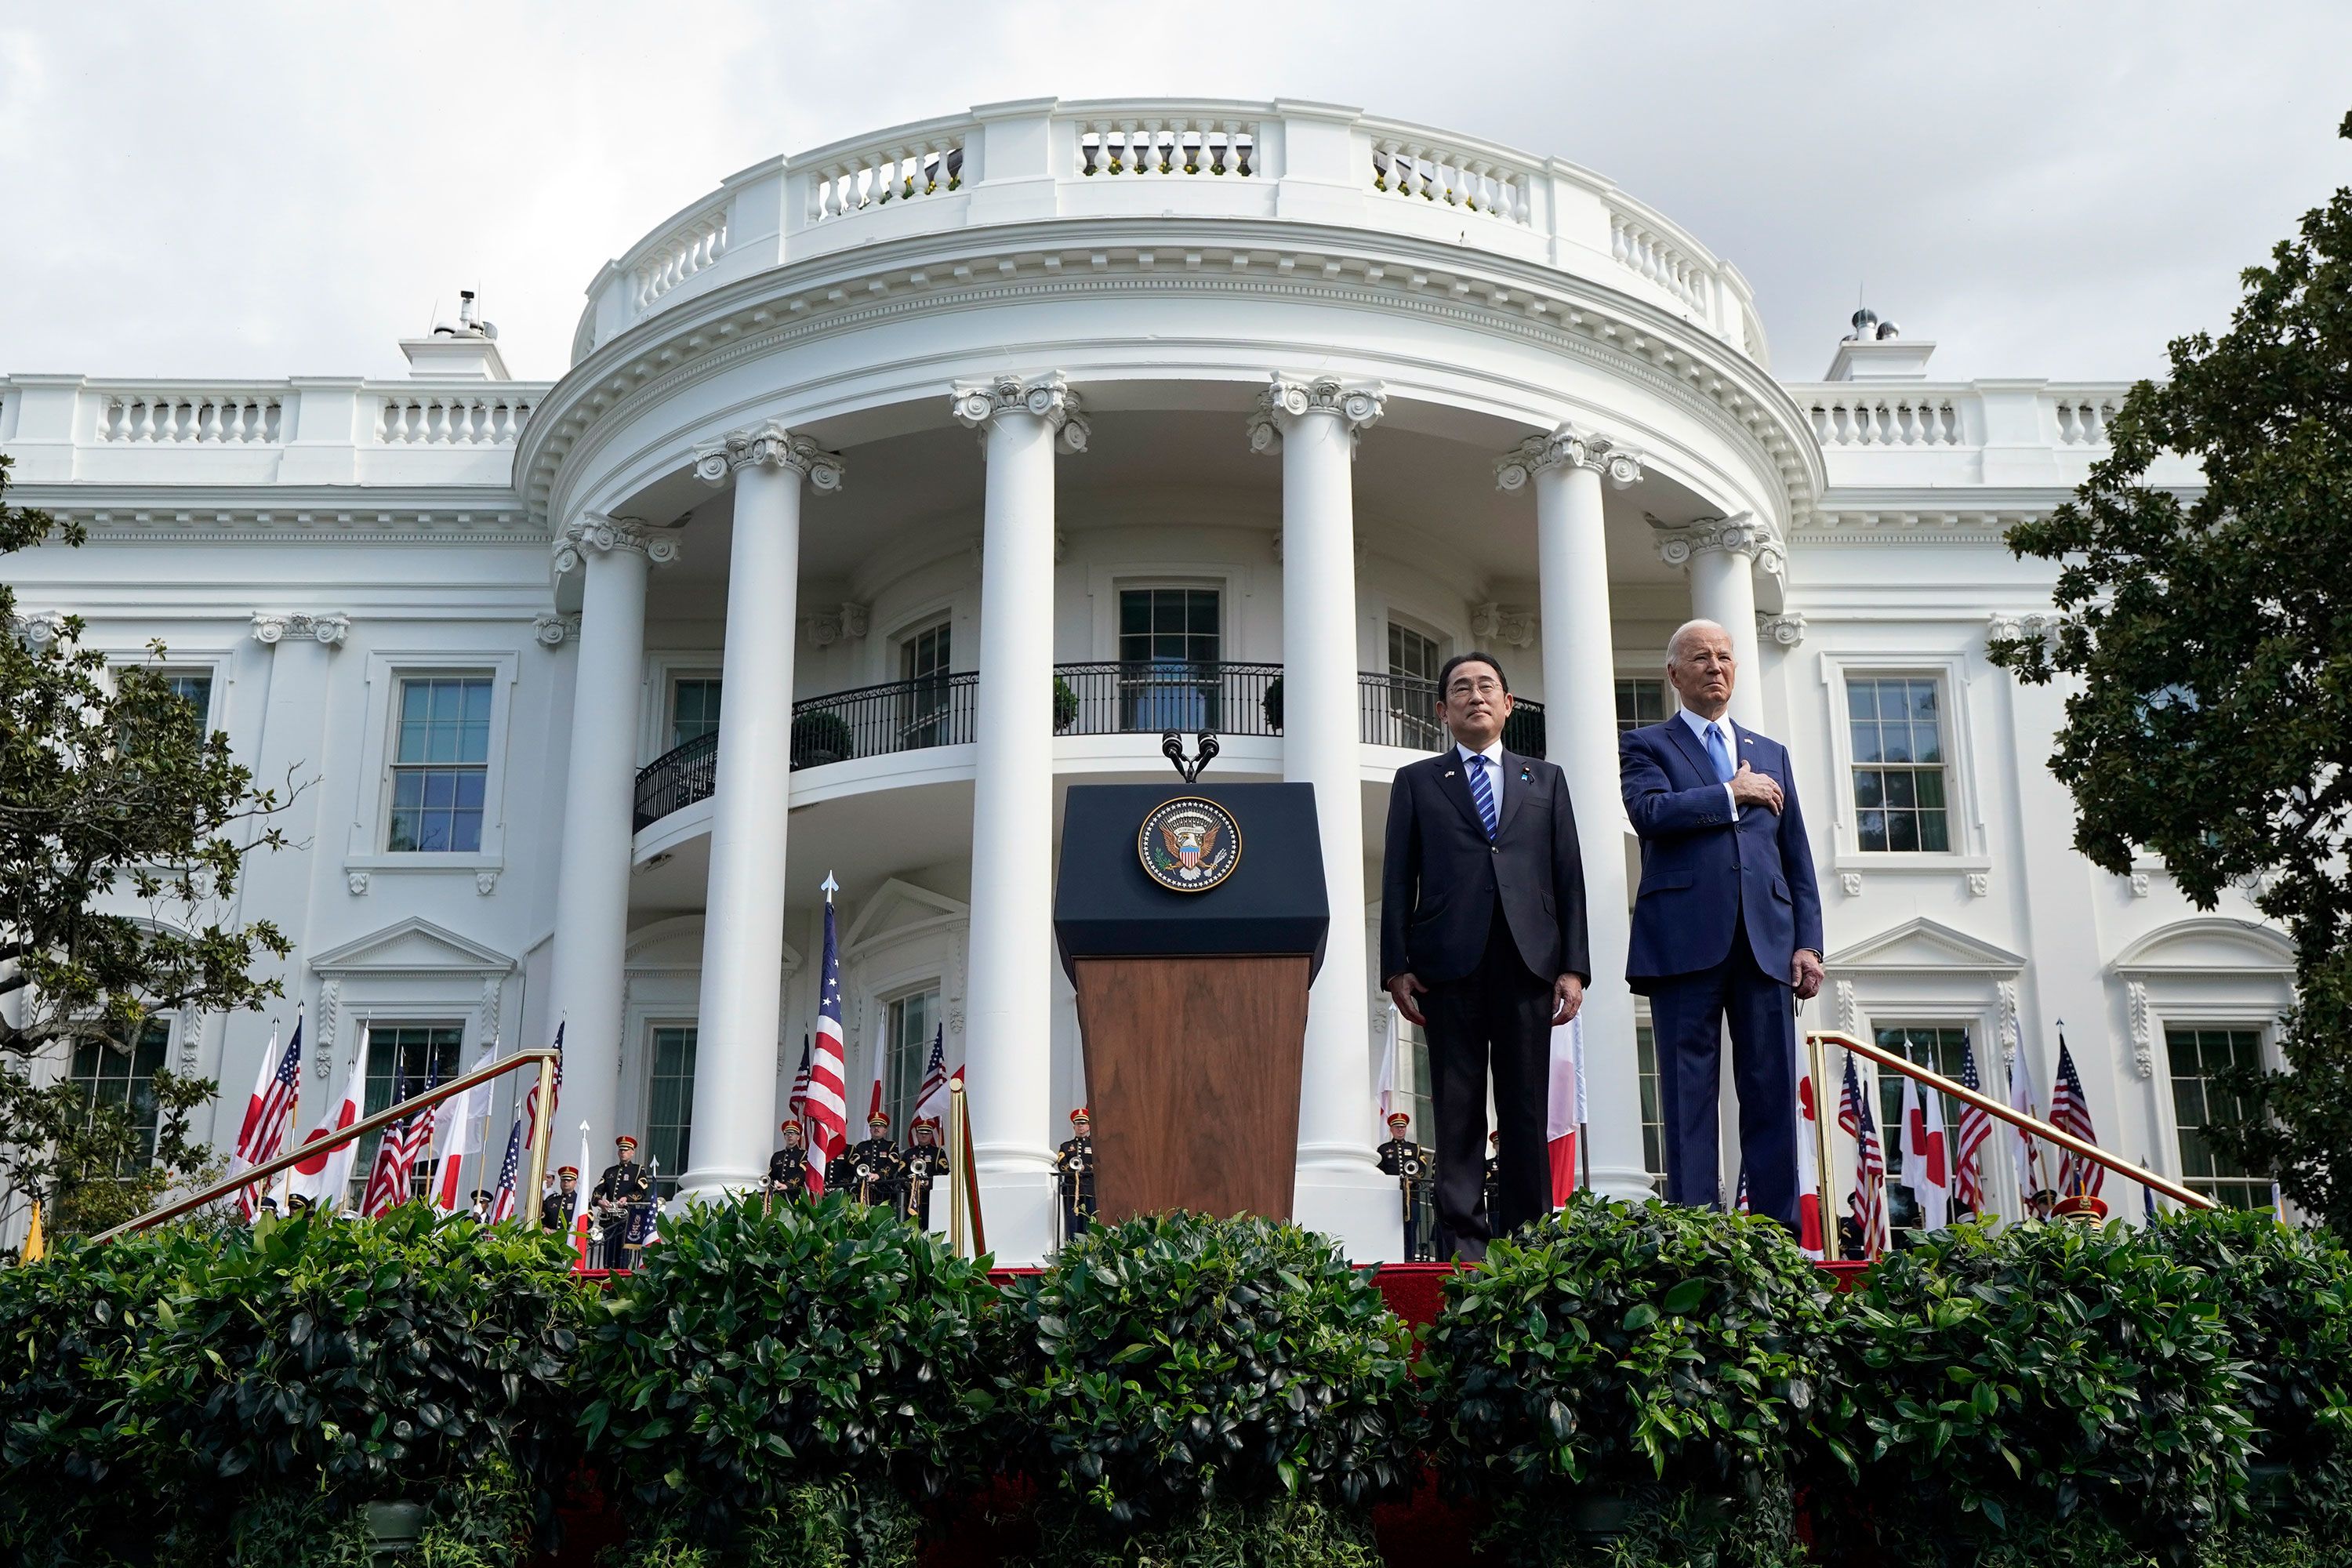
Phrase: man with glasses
{"type": "Point", "coordinates": [1483, 945]}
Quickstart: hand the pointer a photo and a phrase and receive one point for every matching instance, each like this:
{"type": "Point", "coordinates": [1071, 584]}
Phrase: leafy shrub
{"type": "Point", "coordinates": [820, 737]}
{"type": "Point", "coordinates": [803, 1375]}
{"type": "Point", "coordinates": [1182, 1374]}
{"type": "Point", "coordinates": [2285, 1299]}
{"type": "Point", "coordinates": [1065, 705]}
{"type": "Point", "coordinates": [2057, 1393]}
{"type": "Point", "coordinates": [350, 1362]}
{"type": "Point", "coordinates": [1619, 1353]}
{"type": "Point", "coordinates": [72, 1328]}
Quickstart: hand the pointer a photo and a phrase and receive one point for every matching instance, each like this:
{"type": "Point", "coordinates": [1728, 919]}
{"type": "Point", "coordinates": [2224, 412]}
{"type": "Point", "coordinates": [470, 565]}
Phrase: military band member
{"type": "Point", "coordinates": [622, 1188]}
{"type": "Point", "coordinates": [788, 1166]}
{"type": "Point", "coordinates": [926, 1167]}
{"type": "Point", "coordinates": [1409, 1162]}
{"type": "Point", "coordinates": [1493, 1172]}
{"type": "Point", "coordinates": [1073, 1167]}
{"type": "Point", "coordinates": [555, 1208]}
{"type": "Point", "coordinates": [871, 1172]}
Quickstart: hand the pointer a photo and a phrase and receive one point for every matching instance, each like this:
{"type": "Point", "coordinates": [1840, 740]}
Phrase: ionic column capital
{"type": "Point", "coordinates": [1567, 446]}
{"type": "Point", "coordinates": [768, 445]}
{"type": "Point", "coordinates": [1744, 534]}
{"type": "Point", "coordinates": [1787, 628]}
{"type": "Point", "coordinates": [1290, 398]}
{"type": "Point", "coordinates": [595, 533]}
{"type": "Point", "coordinates": [1049, 397]}
{"type": "Point", "coordinates": [270, 627]}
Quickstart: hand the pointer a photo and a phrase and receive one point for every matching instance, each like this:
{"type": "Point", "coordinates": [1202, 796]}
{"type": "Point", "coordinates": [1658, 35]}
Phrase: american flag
{"type": "Point", "coordinates": [1975, 1132]}
{"type": "Point", "coordinates": [829, 1096]}
{"type": "Point", "coordinates": [798, 1103]}
{"type": "Point", "coordinates": [931, 1099]}
{"type": "Point", "coordinates": [503, 1207]}
{"type": "Point", "coordinates": [269, 1112]}
{"type": "Point", "coordinates": [1868, 1200]}
{"type": "Point", "coordinates": [387, 1182]}
{"type": "Point", "coordinates": [2070, 1113]}
{"type": "Point", "coordinates": [531, 1098]}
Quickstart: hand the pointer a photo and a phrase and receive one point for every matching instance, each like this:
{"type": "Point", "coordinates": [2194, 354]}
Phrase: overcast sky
{"type": "Point", "coordinates": [241, 190]}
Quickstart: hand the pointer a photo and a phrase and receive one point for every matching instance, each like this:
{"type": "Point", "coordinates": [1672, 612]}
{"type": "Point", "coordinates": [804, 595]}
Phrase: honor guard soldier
{"type": "Point", "coordinates": [620, 1191]}
{"type": "Point", "coordinates": [788, 1166]}
{"type": "Point", "coordinates": [871, 1172]}
{"type": "Point", "coordinates": [1493, 1172]}
{"type": "Point", "coordinates": [1073, 1168]}
{"type": "Point", "coordinates": [1409, 1162]}
{"type": "Point", "coordinates": [480, 1206]}
{"type": "Point", "coordinates": [926, 1167]}
{"type": "Point", "coordinates": [555, 1208]}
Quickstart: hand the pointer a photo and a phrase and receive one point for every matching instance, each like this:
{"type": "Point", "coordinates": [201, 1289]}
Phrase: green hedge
{"type": "Point", "coordinates": [776, 1379]}
{"type": "Point", "coordinates": [1632, 1368]}
{"type": "Point", "coordinates": [1191, 1389]}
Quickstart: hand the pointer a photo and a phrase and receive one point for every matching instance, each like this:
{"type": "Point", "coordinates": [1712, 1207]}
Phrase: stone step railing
{"type": "Point", "coordinates": [1027, 161]}
{"type": "Point", "coordinates": [306, 430]}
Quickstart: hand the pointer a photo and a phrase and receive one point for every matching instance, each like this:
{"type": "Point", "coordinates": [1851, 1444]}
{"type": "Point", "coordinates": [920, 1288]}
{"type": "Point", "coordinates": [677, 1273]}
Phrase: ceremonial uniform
{"type": "Point", "coordinates": [1494, 1179]}
{"type": "Point", "coordinates": [873, 1172]}
{"type": "Point", "coordinates": [1074, 1166]}
{"type": "Point", "coordinates": [926, 1167]}
{"type": "Point", "coordinates": [479, 1209]}
{"type": "Point", "coordinates": [622, 1190]}
{"type": "Point", "coordinates": [1409, 1164]}
{"type": "Point", "coordinates": [788, 1166]}
{"type": "Point", "coordinates": [555, 1208]}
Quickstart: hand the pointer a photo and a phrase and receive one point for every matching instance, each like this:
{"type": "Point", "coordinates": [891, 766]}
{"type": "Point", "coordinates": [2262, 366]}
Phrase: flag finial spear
{"type": "Point", "coordinates": [830, 885]}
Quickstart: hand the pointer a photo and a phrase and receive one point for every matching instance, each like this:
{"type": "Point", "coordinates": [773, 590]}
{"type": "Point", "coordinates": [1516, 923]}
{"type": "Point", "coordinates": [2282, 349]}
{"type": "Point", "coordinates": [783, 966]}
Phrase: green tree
{"type": "Point", "coordinates": [111, 800]}
{"type": "Point", "coordinates": [2211, 634]}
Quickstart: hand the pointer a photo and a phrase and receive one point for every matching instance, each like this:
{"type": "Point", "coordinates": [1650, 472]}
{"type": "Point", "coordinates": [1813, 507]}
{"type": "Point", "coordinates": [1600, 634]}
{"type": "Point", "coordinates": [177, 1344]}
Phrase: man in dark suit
{"type": "Point", "coordinates": [1726, 925]}
{"type": "Point", "coordinates": [1483, 943]}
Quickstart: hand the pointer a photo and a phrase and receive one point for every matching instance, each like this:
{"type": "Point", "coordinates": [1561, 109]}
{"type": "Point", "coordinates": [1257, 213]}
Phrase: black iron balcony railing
{"type": "Point", "coordinates": [1139, 698]}
{"type": "Point", "coordinates": [1148, 696]}
{"type": "Point", "coordinates": [1402, 711]}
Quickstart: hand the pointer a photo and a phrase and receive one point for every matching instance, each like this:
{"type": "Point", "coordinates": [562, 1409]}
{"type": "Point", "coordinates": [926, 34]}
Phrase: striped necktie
{"type": "Point", "coordinates": [1481, 792]}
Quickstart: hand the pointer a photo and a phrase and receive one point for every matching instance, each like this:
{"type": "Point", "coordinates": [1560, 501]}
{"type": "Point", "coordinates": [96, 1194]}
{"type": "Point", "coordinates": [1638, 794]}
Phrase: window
{"type": "Point", "coordinates": [669, 1107]}
{"type": "Point", "coordinates": [1412, 657]}
{"type": "Point", "coordinates": [193, 687]}
{"type": "Point", "coordinates": [1414, 663]}
{"type": "Point", "coordinates": [109, 1075]}
{"type": "Point", "coordinates": [1641, 700]}
{"type": "Point", "coordinates": [1654, 1116]}
{"type": "Point", "coordinates": [1939, 1050]}
{"type": "Point", "coordinates": [440, 765]}
{"type": "Point", "coordinates": [1170, 639]}
{"type": "Point", "coordinates": [408, 1055]}
{"type": "Point", "coordinates": [909, 1022]}
{"type": "Point", "coordinates": [2197, 1103]}
{"type": "Point", "coordinates": [923, 665]}
{"type": "Point", "coordinates": [693, 709]}
{"type": "Point", "coordinates": [1898, 762]}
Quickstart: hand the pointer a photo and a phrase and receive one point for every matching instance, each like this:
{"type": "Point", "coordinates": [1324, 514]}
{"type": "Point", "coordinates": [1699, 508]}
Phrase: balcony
{"type": "Point", "coordinates": [1094, 699]}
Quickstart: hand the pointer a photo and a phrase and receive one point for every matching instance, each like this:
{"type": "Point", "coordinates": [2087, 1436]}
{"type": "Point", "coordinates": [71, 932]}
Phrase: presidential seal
{"type": "Point", "coordinates": [1188, 845]}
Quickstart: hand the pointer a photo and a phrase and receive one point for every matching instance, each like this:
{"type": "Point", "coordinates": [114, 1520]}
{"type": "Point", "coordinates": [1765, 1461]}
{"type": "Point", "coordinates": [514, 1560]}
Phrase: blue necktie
{"type": "Point", "coordinates": [1482, 794]}
{"type": "Point", "coordinates": [1720, 755]}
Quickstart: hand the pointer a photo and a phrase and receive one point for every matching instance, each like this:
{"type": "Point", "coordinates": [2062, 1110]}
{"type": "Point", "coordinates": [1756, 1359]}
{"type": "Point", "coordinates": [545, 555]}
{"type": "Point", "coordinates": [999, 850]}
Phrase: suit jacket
{"type": "Point", "coordinates": [1441, 877]}
{"type": "Point", "coordinates": [1701, 869]}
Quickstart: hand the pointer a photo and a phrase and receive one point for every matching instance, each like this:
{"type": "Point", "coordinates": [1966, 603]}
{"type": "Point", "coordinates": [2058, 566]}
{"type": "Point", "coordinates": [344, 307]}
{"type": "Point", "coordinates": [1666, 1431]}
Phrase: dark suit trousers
{"type": "Point", "coordinates": [1501, 1012]}
{"type": "Point", "coordinates": [1687, 1013]}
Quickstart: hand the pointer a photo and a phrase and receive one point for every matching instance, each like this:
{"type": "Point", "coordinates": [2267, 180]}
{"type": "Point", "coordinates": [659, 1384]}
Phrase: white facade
{"type": "Point", "coordinates": [951, 407]}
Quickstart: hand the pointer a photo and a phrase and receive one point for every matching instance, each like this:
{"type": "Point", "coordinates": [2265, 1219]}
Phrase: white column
{"type": "Point", "coordinates": [1580, 729]}
{"type": "Point", "coordinates": [743, 930]}
{"type": "Point", "coordinates": [1341, 1191]}
{"type": "Point", "coordinates": [1723, 556]}
{"type": "Point", "coordinates": [592, 890]}
{"type": "Point", "coordinates": [1008, 1056]}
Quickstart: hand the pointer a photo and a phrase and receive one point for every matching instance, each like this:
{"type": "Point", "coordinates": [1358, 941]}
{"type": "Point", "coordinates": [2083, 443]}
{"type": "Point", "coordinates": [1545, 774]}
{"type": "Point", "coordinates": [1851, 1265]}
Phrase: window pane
{"type": "Point", "coordinates": [108, 1076]}
{"type": "Point", "coordinates": [1862, 699]}
{"type": "Point", "coordinates": [1654, 1119]}
{"type": "Point", "coordinates": [1933, 833]}
{"type": "Point", "coordinates": [910, 1023]}
{"type": "Point", "coordinates": [669, 1106]}
{"type": "Point", "coordinates": [1902, 830]}
{"type": "Point", "coordinates": [2197, 1104]}
{"type": "Point", "coordinates": [1870, 829]}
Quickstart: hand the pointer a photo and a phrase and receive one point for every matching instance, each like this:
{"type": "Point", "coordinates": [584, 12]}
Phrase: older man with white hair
{"type": "Point", "coordinates": [1726, 925]}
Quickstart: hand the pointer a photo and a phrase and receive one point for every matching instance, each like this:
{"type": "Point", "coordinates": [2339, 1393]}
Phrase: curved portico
{"type": "Point", "coordinates": [1398, 374]}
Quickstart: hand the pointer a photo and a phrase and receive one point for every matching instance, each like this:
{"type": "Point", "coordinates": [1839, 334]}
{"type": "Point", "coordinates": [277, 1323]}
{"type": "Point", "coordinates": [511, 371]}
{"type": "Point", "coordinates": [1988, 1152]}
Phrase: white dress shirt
{"type": "Point", "coordinates": [1494, 755]}
{"type": "Point", "coordinates": [1699, 727]}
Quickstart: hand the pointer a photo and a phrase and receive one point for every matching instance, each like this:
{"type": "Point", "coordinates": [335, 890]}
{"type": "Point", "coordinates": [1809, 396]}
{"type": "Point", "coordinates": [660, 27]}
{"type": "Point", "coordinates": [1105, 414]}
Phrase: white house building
{"type": "Point", "coordinates": [896, 485]}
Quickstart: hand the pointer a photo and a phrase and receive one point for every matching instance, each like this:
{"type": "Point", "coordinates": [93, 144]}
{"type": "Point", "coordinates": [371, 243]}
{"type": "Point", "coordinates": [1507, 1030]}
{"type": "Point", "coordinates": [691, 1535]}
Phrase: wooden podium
{"type": "Point", "coordinates": [1192, 1004]}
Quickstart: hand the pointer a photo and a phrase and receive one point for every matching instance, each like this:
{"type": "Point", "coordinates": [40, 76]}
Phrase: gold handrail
{"type": "Point", "coordinates": [1991, 1107]}
{"type": "Point", "coordinates": [258, 1175]}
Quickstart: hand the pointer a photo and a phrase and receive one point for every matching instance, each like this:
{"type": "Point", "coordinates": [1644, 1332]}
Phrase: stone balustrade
{"type": "Point", "coordinates": [308, 430]}
{"type": "Point", "coordinates": [1045, 159]}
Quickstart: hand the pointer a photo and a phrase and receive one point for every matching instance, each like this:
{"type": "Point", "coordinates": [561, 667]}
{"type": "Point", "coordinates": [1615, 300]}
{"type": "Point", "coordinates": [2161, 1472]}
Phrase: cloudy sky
{"type": "Point", "coordinates": [242, 190]}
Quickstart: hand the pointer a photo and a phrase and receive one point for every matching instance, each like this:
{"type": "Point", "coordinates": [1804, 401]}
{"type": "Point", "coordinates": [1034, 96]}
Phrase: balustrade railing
{"type": "Point", "coordinates": [1179, 145]}
{"type": "Point", "coordinates": [1148, 696]}
{"type": "Point", "coordinates": [901, 171]}
{"type": "Point", "coordinates": [1436, 174]}
{"type": "Point", "coordinates": [1641, 248]}
{"type": "Point", "coordinates": [1402, 711]}
{"type": "Point", "coordinates": [451, 419]}
{"type": "Point", "coordinates": [695, 245]}
{"type": "Point", "coordinates": [873, 720]}
{"type": "Point", "coordinates": [1886, 419]}
{"type": "Point", "coordinates": [217, 418]}
{"type": "Point", "coordinates": [677, 779]}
